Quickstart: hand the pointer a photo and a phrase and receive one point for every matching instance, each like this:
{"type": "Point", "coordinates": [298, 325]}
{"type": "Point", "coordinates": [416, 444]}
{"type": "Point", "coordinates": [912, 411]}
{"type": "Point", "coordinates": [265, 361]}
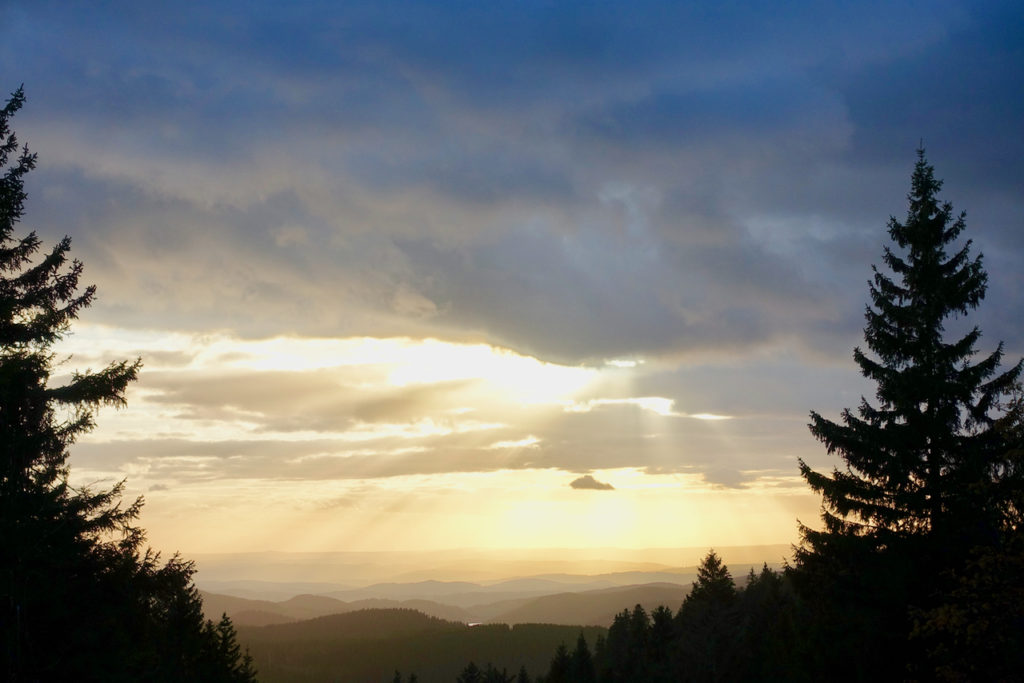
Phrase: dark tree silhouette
{"type": "Point", "coordinates": [914, 459]}
{"type": "Point", "coordinates": [707, 623]}
{"type": "Point", "coordinates": [581, 664]}
{"type": "Point", "coordinates": [471, 674]}
{"type": "Point", "coordinates": [80, 599]}
{"type": "Point", "coordinates": [661, 664]}
{"type": "Point", "coordinates": [772, 642]}
{"type": "Point", "coordinates": [560, 670]}
{"type": "Point", "coordinates": [714, 582]}
{"type": "Point", "coordinates": [493, 675]}
{"type": "Point", "coordinates": [925, 467]}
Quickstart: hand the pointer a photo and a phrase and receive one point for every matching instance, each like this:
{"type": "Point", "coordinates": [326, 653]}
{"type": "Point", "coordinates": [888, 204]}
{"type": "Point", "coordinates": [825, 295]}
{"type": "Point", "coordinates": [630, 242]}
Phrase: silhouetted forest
{"type": "Point", "coordinates": [914, 573]}
{"type": "Point", "coordinates": [369, 645]}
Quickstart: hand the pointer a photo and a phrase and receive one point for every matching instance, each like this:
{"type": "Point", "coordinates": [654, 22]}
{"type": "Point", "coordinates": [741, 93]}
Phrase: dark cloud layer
{"type": "Point", "coordinates": [512, 169]}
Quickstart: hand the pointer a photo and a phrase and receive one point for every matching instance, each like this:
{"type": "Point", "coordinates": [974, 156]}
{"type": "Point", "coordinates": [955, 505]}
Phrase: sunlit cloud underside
{"type": "Point", "coordinates": [345, 437]}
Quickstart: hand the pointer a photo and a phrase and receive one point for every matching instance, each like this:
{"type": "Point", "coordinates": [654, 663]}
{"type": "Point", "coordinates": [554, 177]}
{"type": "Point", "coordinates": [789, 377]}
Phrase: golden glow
{"type": "Point", "coordinates": [655, 404]}
{"type": "Point", "coordinates": [407, 361]}
{"type": "Point", "coordinates": [347, 420]}
{"type": "Point", "coordinates": [528, 442]}
{"type": "Point", "coordinates": [504, 509]}
{"type": "Point", "coordinates": [623, 363]}
{"type": "Point", "coordinates": [526, 379]}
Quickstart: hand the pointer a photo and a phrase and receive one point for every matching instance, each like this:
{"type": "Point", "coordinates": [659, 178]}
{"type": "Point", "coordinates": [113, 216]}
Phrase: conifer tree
{"type": "Point", "coordinates": [927, 471]}
{"type": "Point", "coordinates": [714, 581]}
{"type": "Point", "coordinates": [915, 461]}
{"type": "Point", "coordinates": [771, 644]}
{"type": "Point", "coordinates": [581, 664]}
{"type": "Point", "coordinates": [79, 597]}
{"type": "Point", "coordinates": [560, 670]}
{"type": "Point", "coordinates": [492, 675]}
{"type": "Point", "coordinates": [470, 674]}
{"type": "Point", "coordinates": [706, 622]}
{"type": "Point", "coordinates": [659, 642]}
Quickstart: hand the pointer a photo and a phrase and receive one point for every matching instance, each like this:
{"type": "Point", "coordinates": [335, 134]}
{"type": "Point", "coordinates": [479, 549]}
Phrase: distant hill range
{"type": "Point", "coordinates": [246, 612]}
{"type": "Point", "coordinates": [553, 599]}
{"type": "Point", "coordinates": [370, 645]}
{"type": "Point", "coordinates": [316, 617]}
{"type": "Point", "coordinates": [590, 608]}
{"type": "Point", "coordinates": [281, 575]}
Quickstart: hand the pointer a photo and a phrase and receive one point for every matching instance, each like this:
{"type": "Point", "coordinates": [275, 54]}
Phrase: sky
{"type": "Point", "coordinates": [414, 276]}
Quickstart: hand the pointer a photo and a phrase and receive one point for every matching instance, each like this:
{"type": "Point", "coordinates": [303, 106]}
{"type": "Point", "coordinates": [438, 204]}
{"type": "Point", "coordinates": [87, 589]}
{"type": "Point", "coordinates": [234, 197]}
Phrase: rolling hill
{"type": "Point", "coordinates": [245, 612]}
{"type": "Point", "coordinates": [369, 645]}
{"type": "Point", "coordinates": [591, 608]}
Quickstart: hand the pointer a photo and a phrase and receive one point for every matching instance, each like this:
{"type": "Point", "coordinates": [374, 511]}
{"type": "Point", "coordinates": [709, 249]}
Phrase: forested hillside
{"type": "Point", "coordinates": [370, 645]}
{"type": "Point", "coordinates": [245, 612]}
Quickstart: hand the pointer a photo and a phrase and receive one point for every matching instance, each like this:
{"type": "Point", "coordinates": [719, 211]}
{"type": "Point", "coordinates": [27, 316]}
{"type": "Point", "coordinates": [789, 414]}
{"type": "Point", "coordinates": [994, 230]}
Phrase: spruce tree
{"type": "Point", "coordinates": [581, 663]}
{"type": "Point", "coordinates": [714, 581]}
{"type": "Point", "coordinates": [923, 466]}
{"type": "Point", "coordinates": [707, 623]}
{"type": "Point", "coordinates": [471, 674]}
{"type": "Point", "coordinates": [560, 670]}
{"type": "Point", "coordinates": [915, 460]}
{"type": "Point", "coordinates": [80, 599]}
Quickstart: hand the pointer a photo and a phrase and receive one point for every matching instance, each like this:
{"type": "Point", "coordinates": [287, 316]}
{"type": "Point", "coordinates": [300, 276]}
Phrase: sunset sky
{"type": "Point", "coordinates": [497, 274]}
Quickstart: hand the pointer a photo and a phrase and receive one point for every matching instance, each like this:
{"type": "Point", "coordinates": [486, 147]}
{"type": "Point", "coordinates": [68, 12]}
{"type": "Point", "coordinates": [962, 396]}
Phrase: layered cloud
{"type": "Point", "coordinates": [359, 409]}
{"type": "Point", "coordinates": [375, 242]}
{"type": "Point", "coordinates": [662, 181]}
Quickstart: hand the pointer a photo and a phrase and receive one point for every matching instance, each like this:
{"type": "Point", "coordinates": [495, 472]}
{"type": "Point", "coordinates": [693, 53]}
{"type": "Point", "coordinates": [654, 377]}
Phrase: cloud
{"type": "Point", "coordinates": [380, 408]}
{"type": "Point", "coordinates": [353, 176]}
{"type": "Point", "coordinates": [268, 432]}
{"type": "Point", "coordinates": [588, 482]}
{"type": "Point", "coordinates": [702, 187]}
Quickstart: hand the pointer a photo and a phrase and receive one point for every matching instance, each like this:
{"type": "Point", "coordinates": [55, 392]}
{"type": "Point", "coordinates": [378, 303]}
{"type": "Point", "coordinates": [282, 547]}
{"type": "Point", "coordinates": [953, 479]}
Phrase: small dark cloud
{"type": "Point", "coordinates": [159, 487]}
{"type": "Point", "coordinates": [588, 482]}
